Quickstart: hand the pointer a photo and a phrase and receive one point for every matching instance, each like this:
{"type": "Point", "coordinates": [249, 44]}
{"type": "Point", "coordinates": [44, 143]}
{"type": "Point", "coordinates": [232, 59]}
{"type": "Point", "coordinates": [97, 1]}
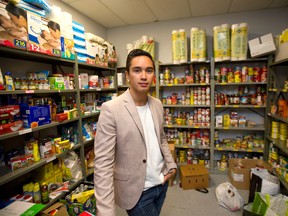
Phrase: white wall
{"type": "Point", "coordinates": [259, 22]}
{"type": "Point", "coordinates": [89, 24]}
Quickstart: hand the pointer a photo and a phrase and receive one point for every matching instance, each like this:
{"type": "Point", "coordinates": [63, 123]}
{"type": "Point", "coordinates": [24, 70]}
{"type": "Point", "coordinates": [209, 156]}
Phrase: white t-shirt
{"type": "Point", "coordinates": [155, 159]}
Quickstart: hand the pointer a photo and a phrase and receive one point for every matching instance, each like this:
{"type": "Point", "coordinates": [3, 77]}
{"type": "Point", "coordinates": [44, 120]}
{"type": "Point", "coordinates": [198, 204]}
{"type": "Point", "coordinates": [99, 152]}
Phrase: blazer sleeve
{"type": "Point", "coordinates": [104, 149]}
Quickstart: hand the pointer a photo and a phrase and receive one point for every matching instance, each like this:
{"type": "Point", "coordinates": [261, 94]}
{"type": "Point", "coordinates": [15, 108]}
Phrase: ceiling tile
{"type": "Point", "coordinates": [247, 5]}
{"type": "Point", "coordinates": [98, 12]}
{"type": "Point", "coordinates": [209, 7]}
{"type": "Point", "coordinates": [169, 9]}
{"type": "Point", "coordinates": [279, 3]}
{"type": "Point", "coordinates": [131, 11]}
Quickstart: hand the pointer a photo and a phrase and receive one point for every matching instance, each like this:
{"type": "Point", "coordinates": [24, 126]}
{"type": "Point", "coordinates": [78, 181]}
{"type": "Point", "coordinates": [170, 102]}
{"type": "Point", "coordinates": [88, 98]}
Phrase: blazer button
{"type": "Point", "coordinates": [144, 161]}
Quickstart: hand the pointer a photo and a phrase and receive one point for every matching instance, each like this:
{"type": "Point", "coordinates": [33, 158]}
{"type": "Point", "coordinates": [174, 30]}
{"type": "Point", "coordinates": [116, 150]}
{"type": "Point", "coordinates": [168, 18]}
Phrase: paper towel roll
{"type": "Point", "coordinates": [175, 47]}
{"type": "Point", "coordinates": [183, 45]}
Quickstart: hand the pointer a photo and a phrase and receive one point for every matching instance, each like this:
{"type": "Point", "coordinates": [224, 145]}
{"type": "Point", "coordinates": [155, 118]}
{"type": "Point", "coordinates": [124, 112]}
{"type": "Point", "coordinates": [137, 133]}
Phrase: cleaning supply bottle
{"type": "Point", "coordinates": [9, 82]}
{"type": "Point", "coordinates": [44, 193]}
{"type": "Point", "coordinates": [37, 193]}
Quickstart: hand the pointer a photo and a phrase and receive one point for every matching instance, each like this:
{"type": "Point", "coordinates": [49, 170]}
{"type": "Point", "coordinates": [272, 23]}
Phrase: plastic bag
{"type": "Point", "coordinates": [270, 183]}
{"type": "Point", "coordinates": [228, 197]}
{"type": "Point", "coordinates": [267, 205]}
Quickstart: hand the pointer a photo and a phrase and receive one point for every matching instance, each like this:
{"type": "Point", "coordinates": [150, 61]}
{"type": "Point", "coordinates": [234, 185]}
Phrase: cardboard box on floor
{"type": "Point", "coordinates": [194, 176]}
{"type": "Point", "coordinates": [239, 171]}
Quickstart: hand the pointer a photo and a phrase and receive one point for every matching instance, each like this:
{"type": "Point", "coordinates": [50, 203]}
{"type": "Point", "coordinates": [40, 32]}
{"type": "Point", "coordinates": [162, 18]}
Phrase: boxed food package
{"type": "Point", "coordinates": [219, 121]}
{"type": "Point", "coordinates": [13, 26]}
{"type": "Point", "coordinates": [43, 35]}
{"type": "Point", "coordinates": [194, 176]}
{"type": "Point", "coordinates": [262, 46]}
{"type": "Point", "coordinates": [57, 209]}
{"type": "Point", "coordinates": [86, 200]}
{"type": "Point", "coordinates": [11, 127]}
{"type": "Point", "coordinates": [34, 116]}
{"type": "Point", "coordinates": [56, 83]}
{"type": "Point", "coordinates": [239, 171]}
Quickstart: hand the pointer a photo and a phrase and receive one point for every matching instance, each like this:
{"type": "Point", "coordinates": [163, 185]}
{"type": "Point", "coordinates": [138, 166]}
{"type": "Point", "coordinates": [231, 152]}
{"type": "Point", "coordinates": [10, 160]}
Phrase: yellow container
{"type": "Point", "coordinates": [274, 135]}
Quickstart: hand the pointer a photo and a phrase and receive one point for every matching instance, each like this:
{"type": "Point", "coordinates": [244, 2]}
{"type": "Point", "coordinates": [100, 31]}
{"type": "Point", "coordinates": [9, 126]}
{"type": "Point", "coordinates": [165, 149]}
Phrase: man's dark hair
{"type": "Point", "coordinates": [134, 53]}
{"type": "Point", "coordinates": [16, 11]}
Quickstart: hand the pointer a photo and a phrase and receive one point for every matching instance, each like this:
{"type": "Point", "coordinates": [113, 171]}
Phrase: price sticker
{"type": "Point", "coordinates": [29, 130]}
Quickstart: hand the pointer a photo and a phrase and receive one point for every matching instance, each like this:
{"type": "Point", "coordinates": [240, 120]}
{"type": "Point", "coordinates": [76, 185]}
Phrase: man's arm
{"type": "Point", "coordinates": [104, 149]}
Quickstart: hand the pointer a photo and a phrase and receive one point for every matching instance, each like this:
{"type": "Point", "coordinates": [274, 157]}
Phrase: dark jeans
{"type": "Point", "coordinates": [150, 202]}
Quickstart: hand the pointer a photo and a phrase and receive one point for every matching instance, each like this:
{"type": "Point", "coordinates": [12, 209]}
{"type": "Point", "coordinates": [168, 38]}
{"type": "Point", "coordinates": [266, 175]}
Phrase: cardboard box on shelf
{"type": "Point", "coordinates": [13, 28]}
{"type": "Point", "coordinates": [262, 46]}
{"type": "Point", "coordinates": [34, 116]}
{"type": "Point", "coordinates": [239, 171]}
{"type": "Point", "coordinates": [57, 209]}
{"type": "Point", "coordinates": [43, 35]}
{"type": "Point", "coordinates": [194, 176]}
{"type": "Point", "coordinates": [282, 52]}
{"type": "Point", "coordinates": [77, 208]}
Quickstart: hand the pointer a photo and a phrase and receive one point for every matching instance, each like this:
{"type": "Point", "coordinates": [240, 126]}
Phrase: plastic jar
{"type": "Point", "coordinates": [24, 84]}
{"type": "Point", "coordinates": [17, 83]}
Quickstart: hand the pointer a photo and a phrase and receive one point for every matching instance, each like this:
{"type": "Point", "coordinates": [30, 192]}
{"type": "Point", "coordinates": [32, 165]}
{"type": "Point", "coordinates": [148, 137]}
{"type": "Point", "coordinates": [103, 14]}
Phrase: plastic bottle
{"type": "Point", "coordinates": [9, 82]}
{"type": "Point", "coordinates": [44, 193]}
{"type": "Point", "coordinates": [36, 153]}
{"type": "Point", "coordinates": [37, 193]}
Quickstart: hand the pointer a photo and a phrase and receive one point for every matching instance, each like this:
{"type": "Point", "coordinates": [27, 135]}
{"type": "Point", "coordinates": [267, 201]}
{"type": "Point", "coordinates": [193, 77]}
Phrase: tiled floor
{"type": "Point", "coordinates": [181, 202]}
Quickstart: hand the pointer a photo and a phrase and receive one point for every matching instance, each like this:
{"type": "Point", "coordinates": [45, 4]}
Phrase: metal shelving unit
{"type": "Point", "coordinates": [5, 172]}
{"type": "Point", "coordinates": [216, 109]}
{"type": "Point", "coordinates": [277, 77]}
{"type": "Point", "coordinates": [161, 89]}
{"type": "Point", "coordinates": [260, 110]}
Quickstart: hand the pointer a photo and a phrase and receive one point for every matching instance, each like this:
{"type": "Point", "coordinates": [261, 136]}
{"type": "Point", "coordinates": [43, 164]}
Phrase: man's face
{"type": "Point", "coordinates": [141, 74]}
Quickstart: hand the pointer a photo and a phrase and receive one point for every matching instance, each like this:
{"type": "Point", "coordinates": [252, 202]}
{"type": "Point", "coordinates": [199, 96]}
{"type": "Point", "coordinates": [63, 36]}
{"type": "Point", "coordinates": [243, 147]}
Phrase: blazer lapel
{"type": "Point", "coordinates": [132, 110]}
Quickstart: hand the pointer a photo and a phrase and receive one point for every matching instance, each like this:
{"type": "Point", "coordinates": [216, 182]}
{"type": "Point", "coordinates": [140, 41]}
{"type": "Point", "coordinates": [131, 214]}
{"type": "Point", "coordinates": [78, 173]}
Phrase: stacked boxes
{"type": "Point", "coordinates": [13, 28]}
{"type": "Point", "coordinates": [67, 42]}
{"type": "Point", "coordinates": [79, 41]}
{"type": "Point", "coordinates": [43, 35]}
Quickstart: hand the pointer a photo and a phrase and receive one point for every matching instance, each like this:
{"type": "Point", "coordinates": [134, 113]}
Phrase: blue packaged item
{"type": "Point", "coordinates": [40, 3]}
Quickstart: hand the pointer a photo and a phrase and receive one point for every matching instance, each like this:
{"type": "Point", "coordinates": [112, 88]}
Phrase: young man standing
{"type": "Point", "coordinates": [133, 162]}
